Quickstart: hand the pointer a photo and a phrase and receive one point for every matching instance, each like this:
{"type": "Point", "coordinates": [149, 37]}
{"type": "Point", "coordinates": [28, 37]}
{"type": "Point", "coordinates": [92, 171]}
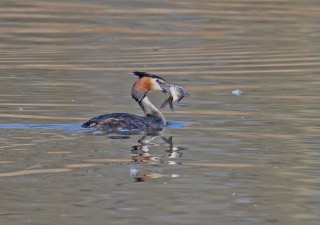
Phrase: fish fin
{"type": "Point", "coordinates": [164, 104]}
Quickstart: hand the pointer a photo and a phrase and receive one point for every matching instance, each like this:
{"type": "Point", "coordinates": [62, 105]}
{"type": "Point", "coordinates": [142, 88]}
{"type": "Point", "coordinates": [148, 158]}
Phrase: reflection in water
{"type": "Point", "coordinates": [74, 127]}
{"type": "Point", "coordinates": [141, 155]}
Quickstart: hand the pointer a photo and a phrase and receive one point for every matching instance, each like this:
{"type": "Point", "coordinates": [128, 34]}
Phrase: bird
{"type": "Point", "coordinates": [152, 121]}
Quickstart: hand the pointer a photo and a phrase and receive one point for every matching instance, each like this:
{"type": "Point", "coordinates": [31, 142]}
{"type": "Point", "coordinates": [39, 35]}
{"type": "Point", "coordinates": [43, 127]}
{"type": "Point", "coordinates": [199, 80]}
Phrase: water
{"type": "Point", "coordinates": [250, 158]}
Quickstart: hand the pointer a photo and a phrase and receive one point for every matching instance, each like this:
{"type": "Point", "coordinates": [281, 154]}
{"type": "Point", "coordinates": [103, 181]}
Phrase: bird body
{"type": "Point", "coordinates": [152, 121]}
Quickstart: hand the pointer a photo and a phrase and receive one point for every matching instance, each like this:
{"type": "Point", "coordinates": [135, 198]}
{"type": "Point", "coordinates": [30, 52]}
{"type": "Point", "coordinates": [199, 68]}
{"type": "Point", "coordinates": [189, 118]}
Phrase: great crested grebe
{"type": "Point", "coordinates": [153, 120]}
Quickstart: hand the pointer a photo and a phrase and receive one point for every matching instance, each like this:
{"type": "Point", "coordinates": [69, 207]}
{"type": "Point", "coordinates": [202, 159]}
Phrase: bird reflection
{"type": "Point", "coordinates": [141, 154]}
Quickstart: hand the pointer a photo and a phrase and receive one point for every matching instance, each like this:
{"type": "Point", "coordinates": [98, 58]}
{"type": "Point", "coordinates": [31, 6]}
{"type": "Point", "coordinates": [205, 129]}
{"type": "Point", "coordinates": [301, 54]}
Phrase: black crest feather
{"type": "Point", "coordinates": [145, 74]}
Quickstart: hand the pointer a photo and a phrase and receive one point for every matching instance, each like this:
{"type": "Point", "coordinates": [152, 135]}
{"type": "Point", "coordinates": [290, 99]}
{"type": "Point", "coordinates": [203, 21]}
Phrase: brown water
{"type": "Point", "coordinates": [247, 159]}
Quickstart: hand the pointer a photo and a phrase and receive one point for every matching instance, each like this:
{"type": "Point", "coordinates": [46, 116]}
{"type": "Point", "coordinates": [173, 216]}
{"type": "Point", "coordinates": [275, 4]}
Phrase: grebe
{"type": "Point", "coordinates": [152, 121]}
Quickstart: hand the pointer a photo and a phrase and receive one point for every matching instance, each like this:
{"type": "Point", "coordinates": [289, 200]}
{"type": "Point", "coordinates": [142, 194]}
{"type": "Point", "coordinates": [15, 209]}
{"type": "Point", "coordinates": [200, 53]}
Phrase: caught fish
{"type": "Point", "coordinates": [176, 94]}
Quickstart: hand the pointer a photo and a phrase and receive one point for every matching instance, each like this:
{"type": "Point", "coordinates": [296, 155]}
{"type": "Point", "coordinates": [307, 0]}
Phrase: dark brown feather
{"type": "Point", "coordinates": [145, 74]}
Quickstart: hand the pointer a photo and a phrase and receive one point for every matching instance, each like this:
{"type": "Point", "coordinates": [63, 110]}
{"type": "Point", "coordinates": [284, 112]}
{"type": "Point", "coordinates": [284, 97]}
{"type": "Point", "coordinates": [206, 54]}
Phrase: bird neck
{"type": "Point", "coordinates": [149, 109]}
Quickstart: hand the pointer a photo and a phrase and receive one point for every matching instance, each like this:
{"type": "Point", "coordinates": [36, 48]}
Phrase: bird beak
{"type": "Point", "coordinates": [165, 87]}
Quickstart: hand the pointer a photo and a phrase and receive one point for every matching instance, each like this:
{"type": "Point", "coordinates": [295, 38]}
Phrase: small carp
{"type": "Point", "coordinates": [176, 94]}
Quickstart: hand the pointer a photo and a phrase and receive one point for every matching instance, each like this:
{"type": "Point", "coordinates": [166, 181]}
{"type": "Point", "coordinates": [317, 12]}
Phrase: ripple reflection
{"type": "Point", "coordinates": [141, 154]}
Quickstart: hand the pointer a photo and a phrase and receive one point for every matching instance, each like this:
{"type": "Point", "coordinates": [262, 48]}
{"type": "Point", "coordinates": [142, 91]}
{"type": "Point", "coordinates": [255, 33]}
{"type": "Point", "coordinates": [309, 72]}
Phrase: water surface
{"type": "Point", "coordinates": [247, 159]}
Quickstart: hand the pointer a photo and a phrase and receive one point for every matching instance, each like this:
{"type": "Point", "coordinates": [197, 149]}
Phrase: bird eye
{"type": "Point", "coordinates": [159, 81]}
